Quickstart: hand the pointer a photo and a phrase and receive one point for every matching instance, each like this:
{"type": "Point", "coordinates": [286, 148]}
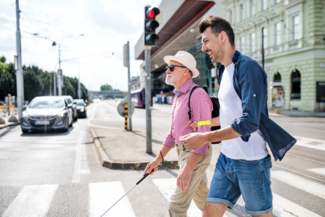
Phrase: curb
{"type": "Point", "coordinates": [108, 163]}
{"type": "Point", "coordinates": [9, 125]}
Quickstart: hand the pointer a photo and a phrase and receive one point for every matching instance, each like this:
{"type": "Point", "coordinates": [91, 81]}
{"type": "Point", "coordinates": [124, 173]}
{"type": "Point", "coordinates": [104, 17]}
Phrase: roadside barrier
{"type": "Point", "coordinates": [126, 107]}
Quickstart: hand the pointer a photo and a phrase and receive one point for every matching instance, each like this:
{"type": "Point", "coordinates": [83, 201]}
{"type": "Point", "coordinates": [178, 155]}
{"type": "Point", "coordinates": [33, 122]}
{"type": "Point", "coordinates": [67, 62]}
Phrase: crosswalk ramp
{"type": "Point", "coordinates": [36, 200]}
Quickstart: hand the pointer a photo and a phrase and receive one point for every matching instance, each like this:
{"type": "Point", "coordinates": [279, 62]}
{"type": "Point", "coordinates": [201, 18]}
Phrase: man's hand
{"type": "Point", "coordinates": [194, 141]}
{"type": "Point", "coordinates": [193, 124]}
{"type": "Point", "coordinates": [152, 166]}
{"type": "Point", "coordinates": [183, 179]}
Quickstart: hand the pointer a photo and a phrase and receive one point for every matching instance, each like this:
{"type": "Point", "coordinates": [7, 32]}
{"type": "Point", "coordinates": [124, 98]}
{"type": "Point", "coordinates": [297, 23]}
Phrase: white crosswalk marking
{"type": "Point", "coordinates": [310, 143]}
{"type": "Point", "coordinates": [320, 171]}
{"type": "Point", "coordinates": [167, 187]}
{"type": "Point", "coordinates": [104, 194]}
{"type": "Point", "coordinates": [285, 208]}
{"type": "Point", "coordinates": [33, 200]}
{"type": "Point", "coordinates": [300, 183]}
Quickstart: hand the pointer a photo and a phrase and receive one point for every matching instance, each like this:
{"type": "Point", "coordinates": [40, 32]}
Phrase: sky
{"type": "Point", "coordinates": [106, 26]}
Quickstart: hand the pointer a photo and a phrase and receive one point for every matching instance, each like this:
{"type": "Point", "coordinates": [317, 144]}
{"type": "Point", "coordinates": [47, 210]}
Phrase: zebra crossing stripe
{"type": "Point", "coordinates": [167, 187]}
{"type": "Point", "coordinates": [32, 200]}
{"type": "Point", "coordinates": [320, 171]}
{"type": "Point", "coordinates": [300, 183]}
{"type": "Point", "coordinates": [104, 194]}
{"type": "Point", "coordinates": [286, 208]}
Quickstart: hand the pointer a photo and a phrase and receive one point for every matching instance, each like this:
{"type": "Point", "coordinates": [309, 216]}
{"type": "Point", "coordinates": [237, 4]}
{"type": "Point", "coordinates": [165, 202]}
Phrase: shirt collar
{"type": "Point", "coordinates": [184, 88]}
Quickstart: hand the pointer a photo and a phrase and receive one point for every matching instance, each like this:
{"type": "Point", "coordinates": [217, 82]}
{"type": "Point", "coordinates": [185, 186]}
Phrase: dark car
{"type": "Point", "coordinates": [46, 113]}
{"type": "Point", "coordinates": [74, 107]}
{"type": "Point", "coordinates": [81, 107]}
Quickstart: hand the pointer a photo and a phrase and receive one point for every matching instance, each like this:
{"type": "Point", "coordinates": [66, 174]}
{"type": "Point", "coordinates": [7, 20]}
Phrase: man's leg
{"type": "Point", "coordinates": [270, 214]}
{"type": "Point", "coordinates": [214, 210]}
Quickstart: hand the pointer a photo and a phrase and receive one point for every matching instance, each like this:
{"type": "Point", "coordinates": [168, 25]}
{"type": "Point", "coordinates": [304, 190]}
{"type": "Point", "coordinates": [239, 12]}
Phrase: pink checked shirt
{"type": "Point", "coordinates": [201, 108]}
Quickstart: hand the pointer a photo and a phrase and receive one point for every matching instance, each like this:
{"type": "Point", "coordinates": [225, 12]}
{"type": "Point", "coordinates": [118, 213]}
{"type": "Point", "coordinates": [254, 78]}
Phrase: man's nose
{"type": "Point", "coordinates": [168, 71]}
{"type": "Point", "coordinates": [204, 47]}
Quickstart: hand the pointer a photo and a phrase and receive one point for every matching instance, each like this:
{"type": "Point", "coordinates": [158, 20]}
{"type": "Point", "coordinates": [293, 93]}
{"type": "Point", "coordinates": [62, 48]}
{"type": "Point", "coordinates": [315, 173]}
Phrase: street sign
{"type": "Point", "coordinates": [120, 108]}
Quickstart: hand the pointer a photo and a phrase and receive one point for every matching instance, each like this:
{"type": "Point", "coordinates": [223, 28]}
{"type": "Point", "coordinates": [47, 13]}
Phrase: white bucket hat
{"type": "Point", "coordinates": [186, 59]}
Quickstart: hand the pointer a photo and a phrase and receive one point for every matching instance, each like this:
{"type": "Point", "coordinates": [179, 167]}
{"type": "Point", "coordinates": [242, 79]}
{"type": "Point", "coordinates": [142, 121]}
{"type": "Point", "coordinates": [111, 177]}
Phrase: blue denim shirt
{"type": "Point", "coordinates": [250, 83]}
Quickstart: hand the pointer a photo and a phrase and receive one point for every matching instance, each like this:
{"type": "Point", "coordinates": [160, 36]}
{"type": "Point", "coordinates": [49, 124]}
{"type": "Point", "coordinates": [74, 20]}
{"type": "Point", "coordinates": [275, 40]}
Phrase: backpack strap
{"type": "Point", "coordinates": [189, 102]}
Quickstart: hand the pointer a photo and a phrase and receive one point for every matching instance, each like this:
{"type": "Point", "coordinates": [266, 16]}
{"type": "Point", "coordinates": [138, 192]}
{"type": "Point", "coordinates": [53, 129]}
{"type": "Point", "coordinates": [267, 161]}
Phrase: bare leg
{"type": "Point", "coordinates": [214, 210]}
{"type": "Point", "coordinates": [270, 214]}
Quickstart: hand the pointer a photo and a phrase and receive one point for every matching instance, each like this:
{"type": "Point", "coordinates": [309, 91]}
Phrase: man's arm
{"type": "Point", "coordinates": [194, 141]}
{"type": "Point", "coordinates": [184, 177]}
{"type": "Point", "coordinates": [156, 162]}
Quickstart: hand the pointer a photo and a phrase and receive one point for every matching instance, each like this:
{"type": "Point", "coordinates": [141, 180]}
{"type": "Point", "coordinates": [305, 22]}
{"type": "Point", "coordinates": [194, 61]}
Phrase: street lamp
{"type": "Point", "coordinates": [59, 70]}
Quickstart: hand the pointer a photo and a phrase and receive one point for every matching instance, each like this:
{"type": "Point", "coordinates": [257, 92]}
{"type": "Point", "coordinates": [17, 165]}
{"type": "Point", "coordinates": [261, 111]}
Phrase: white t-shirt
{"type": "Point", "coordinates": [230, 109]}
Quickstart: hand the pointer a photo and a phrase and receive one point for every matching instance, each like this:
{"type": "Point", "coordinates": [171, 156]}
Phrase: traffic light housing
{"type": "Point", "coordinates": [150, 26]}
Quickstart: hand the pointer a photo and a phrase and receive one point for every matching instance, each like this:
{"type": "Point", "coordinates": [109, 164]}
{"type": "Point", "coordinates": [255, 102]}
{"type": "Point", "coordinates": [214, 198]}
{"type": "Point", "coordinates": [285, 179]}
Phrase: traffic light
{"type": "Point", "coordinates": [150, 26]}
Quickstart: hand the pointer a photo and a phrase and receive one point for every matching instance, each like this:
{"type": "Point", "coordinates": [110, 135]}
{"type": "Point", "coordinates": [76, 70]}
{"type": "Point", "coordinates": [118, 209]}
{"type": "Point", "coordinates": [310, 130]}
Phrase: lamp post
{"type": "Point", "coordinates": [59, 70]}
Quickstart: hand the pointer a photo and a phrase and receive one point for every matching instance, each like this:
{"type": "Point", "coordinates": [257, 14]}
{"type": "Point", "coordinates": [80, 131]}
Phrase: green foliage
{"type": "Point", "coordinates": [36, 82]}
{"type": "Point", "coordinates": [106, 87]}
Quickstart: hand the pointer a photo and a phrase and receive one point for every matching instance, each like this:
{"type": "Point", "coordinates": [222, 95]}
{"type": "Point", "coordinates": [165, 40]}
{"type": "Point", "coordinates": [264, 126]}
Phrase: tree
{"type": "Point", "coordinates": [106, 87]}
{"type": "Point", "coordinates": [2, 59]}
{"type": "Point", "coordinates": [32, 85]}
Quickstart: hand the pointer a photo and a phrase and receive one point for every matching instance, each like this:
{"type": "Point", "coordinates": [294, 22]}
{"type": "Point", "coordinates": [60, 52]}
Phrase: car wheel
{"type": "Point", "coordinates": [24, 131]}
{"type": "Point", "coordinates": [66, 129]}
{"type": "Point", "coordinates": [71, 124]}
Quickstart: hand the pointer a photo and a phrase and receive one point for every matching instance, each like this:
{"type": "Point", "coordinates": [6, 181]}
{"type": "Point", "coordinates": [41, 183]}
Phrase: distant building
{"type": "Point", "coordinates": [294, 46]}
{"type": "Point", "coordinates": [106, 94]}
{"type": "Point", "coordinates": [135, 82]}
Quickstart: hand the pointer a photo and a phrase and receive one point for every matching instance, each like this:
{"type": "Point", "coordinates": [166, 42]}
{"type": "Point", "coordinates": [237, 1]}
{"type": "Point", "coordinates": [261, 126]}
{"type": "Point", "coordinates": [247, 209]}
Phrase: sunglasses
{"type": "Point", "coordinates": [172, 67]}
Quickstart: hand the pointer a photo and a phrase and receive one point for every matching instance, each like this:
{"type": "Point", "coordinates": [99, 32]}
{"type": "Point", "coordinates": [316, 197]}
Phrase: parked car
{"type": "Point", "coordinates": [45, 113]}
{"type": "Point", "coordinates": [81, 107]}
{"type": "Point", "coordinates": [74, 107]}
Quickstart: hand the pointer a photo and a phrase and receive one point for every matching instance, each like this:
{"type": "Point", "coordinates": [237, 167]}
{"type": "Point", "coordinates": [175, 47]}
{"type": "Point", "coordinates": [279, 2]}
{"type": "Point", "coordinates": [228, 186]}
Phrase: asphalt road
{"type": "Point", "coordinates": [59, 174]}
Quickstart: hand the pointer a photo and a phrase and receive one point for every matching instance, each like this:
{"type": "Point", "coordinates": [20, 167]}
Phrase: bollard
{"type": "Point", "coordinates": [126, 115]}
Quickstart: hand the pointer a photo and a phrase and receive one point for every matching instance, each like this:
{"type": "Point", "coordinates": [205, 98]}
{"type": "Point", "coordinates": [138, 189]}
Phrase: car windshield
{"type": "Point", "coordinates": [80, 104]}
{"type": "Point", "coordinates": [46, 104]}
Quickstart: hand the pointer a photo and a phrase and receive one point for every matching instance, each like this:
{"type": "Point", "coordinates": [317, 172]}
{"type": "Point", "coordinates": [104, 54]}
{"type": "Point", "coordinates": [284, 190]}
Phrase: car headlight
{"type": "Point", "coordinates": [25, 115]}
{"type": "Point", "coordinates": [82, 110]}
{"type": "Point", "coordinates": [61, 114]}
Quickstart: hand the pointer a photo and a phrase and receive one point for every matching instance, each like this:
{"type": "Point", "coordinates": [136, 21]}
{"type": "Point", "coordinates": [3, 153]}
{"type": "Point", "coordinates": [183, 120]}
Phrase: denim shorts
{"type": "Point", "coordinates": [251, 179]}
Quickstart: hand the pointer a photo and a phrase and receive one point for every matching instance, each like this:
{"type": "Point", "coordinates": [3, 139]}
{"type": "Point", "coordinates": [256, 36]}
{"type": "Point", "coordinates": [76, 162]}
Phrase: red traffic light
{"type": "Point", "coordinates": [152, 12]}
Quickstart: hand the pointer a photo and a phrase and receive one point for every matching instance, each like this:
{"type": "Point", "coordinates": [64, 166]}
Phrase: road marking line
{"type": "Point", "coordinates": [284, 207]}
{"type": "Point", "coordinates": [311, 146]}
{"type": "Point", "coordinates": [309, 139]}
{"type": "Point", "coordinates": [32, 200]}
{"type": "Point", "coordinates": [167, 187]}
{"type": "Point", "coordinates": [104, 194]}
{"type": "Point", "coordinates": [300, 183]}
{"type": "Point", "coordinates": [320, 171]}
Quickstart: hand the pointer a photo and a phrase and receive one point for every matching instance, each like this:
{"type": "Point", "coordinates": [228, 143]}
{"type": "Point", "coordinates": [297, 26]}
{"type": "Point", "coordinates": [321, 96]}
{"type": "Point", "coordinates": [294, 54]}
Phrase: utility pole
{"type": "Point", "coordinates": [129, 87]}
{"type": "Point", "coordinates": [54, 84]}
{"type": "Point", "coordinates": [19, 72]}
{"type": "Point", "coordinates": [148, 98]}
{"type": "Point", "coordinates": [59, 74]}
{"type": "Point", "coordinates": [263, 47]}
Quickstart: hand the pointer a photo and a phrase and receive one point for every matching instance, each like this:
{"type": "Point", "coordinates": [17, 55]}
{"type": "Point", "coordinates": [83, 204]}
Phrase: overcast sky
{"type": "Point", "coordinates": [106, 24]}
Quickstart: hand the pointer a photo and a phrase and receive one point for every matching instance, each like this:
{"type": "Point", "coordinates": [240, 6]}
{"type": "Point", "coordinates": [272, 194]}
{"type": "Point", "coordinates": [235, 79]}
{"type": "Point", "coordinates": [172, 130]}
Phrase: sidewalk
{"type": "Point", "coordinates": [7, 123]}
{"type": "Point", "coordinates": [121, 149]}
{"type": "Point", "coordinates": [296, 113]}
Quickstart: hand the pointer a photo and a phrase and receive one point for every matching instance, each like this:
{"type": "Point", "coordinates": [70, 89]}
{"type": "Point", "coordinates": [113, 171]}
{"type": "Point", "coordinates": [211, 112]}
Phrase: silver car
{"type": "Point", "coordinates": [46, 113]}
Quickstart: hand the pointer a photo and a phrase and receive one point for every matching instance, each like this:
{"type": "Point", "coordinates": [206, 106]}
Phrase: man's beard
{"type": "Point", "coordinates": [170, 80]}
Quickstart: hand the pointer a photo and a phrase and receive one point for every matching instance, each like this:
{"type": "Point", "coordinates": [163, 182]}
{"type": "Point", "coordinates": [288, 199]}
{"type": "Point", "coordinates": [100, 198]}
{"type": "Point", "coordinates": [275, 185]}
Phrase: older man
{"type": "Point", "coordinates": [192, 179]}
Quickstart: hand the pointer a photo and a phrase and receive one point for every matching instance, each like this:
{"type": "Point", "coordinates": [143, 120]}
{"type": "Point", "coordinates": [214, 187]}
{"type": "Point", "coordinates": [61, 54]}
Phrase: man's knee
{"type": "Point", "coordinates": [214, 210]}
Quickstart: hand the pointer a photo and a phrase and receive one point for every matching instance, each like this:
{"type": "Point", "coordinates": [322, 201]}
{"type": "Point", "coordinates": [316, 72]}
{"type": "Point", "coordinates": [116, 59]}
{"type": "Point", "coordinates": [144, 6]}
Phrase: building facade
{"type": "Point", "coordinates": [293, 35]}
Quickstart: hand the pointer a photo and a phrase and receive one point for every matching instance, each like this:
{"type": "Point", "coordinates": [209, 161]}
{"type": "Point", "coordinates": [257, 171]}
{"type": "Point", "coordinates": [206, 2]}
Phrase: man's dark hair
{"type": "Point", "coordinates": [218, 25]}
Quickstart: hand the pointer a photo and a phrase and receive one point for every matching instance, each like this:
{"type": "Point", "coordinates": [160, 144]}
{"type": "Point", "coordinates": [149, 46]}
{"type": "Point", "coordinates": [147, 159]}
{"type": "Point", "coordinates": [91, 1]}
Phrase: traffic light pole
{"type": "Point", "coordinates": [148, 99]}
{"type": "Point", "coordinates": [19, 72]}
{"type": "Point", "coordinates": [129, 86]}
{"type": "Point", "coordinates": [263, 47]}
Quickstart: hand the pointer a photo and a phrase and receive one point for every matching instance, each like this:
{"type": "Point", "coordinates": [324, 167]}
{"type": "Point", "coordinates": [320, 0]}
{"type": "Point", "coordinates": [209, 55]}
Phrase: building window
{"type": "Point", "coordinates": [264, 5]}
{"type": "Point", "coordinates": [265, 37]}
{"type": "Point", "coordinates": [230, 17]}
{"type": "Point", "coordinates": [277, 30]}
{"type": "Point", "coordinates": [277, 1]}
{"type": "Point", "coordinates": [242, 44]}
{"type": "Point", "coordinates": [277, 77]}
{"type": "Point", "coordinates": [252, 8]}
{"type": "Point", "coordinates": [252, 39]}
{"type": "Point", "coordinates": [296, 26]}
{"type": "Point", "coordinates": [295, 84]}
{"type": "Point", "coordinates": [241, 12]}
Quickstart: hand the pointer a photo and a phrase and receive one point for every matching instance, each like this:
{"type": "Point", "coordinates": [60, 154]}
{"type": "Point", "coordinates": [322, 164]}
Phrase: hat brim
{"type": "Point", "coordinates": [194, 70]}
